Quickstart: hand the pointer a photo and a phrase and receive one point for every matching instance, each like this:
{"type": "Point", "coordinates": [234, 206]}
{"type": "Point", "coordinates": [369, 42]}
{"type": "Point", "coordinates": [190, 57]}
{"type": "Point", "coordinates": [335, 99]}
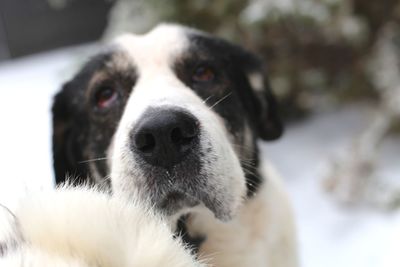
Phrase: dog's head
{"type": "Point", "coordinates": [172, 116]}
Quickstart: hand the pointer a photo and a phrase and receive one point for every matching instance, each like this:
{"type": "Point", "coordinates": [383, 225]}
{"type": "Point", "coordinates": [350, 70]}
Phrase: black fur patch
{"type": "Point", "coordinates": [81, 133]}
{"type": "Point", "coordinates": [230, 95]}
{"type": "Point", "coordinates": [193, 243]}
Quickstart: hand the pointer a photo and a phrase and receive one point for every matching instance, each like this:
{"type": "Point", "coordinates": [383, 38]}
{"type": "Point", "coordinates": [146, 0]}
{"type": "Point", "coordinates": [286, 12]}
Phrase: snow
{"type": "Point", "coordinates": [328, 234]}
{"type": "Point", "coordinates": [27, 86]}
{"type": "Point", "coordinates": [260, 9]}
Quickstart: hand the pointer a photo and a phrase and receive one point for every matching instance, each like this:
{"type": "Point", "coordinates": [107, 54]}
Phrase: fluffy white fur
{"type": "Point", "coordinates": [158, 86]}
{"type": "Point", "coordinates": [261, 232]}
{"type": "Point", "coordinates": [256, 232]}
{"type": "Point", "coordinates": [82, 227]}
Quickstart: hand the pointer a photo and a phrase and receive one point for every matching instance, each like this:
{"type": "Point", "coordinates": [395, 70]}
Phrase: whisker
{"type": "Point", "coordinates": [208, 98]}
{"type": "Point", "coordinates": [219, 101]}
{"type": "Point", "coordinates": [252, 189]}
{"type": "Point", "coordinates": [244, 148]}
{"type": "Point", "coordinates": [251, 172]}
{"type": "Point", "coordinates": [248, 164]}
{"type": "Point", "coordinates": [91, 160]}
{"type": "Point", "coordinates": [249, 160]}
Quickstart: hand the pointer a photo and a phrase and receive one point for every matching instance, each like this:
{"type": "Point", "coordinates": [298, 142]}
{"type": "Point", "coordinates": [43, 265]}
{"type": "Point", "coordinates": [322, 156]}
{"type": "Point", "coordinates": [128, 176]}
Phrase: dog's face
{"type": "Point", "coordinates": [171, 116]}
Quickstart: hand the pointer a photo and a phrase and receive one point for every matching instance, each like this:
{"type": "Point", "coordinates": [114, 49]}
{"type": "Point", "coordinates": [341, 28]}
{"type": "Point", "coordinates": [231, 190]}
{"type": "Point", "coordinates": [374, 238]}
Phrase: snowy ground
{"type": "Point", "coordinates": [27, 86]}
{"type": "Point", "coordinates": [328, 234]}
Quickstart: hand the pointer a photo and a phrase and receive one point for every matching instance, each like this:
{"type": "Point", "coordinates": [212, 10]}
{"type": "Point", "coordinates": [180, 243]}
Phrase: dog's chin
{"type": "Point", "coordinates": [178, 202]}
{"type": "Point", "coordinates": [189, 186]}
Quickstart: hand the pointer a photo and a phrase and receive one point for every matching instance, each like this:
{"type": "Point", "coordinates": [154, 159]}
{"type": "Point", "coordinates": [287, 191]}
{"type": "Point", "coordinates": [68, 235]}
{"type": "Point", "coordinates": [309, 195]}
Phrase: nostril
{"type": "Point", "coordinates": [184, 134]}
{"type": "Point", "coordinates": [176, 136]}
{"type": "Point", "coordinates": [179, 139]}
{"type": "Point", "coordinates": [145, 142]}
{"type": "Point", "coordinates": [164, 137]}
{"type": "Point", "coordinates": [190, 130]}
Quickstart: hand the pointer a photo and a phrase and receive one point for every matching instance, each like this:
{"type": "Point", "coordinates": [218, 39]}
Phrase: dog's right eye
{"type": "Point", "coordinates": [105, 97]}
{"type": "Point", "coordinates": [203, 74]}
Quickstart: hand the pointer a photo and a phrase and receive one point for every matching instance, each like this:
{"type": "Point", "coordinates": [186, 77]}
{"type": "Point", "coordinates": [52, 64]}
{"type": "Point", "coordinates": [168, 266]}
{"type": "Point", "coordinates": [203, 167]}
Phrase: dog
{"type": "Point", "coordinates": [83, 227]}
{"type": "Point", "coordinates": [172, 117]}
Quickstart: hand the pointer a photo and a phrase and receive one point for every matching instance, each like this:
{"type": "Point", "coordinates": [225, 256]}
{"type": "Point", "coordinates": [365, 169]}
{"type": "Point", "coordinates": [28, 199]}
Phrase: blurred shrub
{"type": "Point", "coordinates": [317, 51]}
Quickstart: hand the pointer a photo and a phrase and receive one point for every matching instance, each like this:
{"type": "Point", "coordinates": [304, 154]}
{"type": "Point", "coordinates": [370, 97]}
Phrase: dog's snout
{"type": "Point", "coordinates": [163, 137]}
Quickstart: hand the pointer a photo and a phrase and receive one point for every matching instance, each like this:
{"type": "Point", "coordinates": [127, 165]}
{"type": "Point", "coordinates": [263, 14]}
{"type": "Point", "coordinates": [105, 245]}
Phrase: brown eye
{"type": "Point", "coordinates": [105, 97]}
{"type": "Point", "coordinates": [203, 74]}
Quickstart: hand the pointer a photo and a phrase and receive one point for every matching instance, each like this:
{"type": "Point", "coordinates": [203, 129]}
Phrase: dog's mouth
{"type": "Point", "coordinates": [180, 198]}
{"type": "Point", "coordinates": [175, 201]}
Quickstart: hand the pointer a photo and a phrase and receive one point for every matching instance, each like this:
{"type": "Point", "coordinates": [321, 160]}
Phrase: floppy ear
{"type": "Point", "coordinates": [258, 97]}
{"type": "Point", "coordinates": [10, 234]}
{"type": "Point", "coordinates": [268, 121]}
{"type": "Point", "coordinates": [66, 147]}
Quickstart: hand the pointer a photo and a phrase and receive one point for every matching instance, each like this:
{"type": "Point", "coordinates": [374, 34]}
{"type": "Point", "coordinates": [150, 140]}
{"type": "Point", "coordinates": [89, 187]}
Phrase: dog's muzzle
{"type": "Point", "coordinates": [164, 137]}
{"type": "Point", "coordinates": [172, 159]}
{"type": "Point", "coordinates": [165, 141]}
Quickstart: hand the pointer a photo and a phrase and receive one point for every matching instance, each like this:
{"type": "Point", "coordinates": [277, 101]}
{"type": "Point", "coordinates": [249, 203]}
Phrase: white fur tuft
{"type": "Point", "coordinates": [82, 227]}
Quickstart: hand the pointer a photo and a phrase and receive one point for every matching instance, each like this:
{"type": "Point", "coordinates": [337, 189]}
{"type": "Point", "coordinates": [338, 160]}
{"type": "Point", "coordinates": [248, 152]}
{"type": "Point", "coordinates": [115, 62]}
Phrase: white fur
{"type": "Point", "coordinates": [158, 86]}
{"type": "Point", "coordinates": [263, 233]}
{"type": "Point", "coordinates": [84, 228]}
{"type": "Point", "coordinates": [256, 81]}
{"type": "Point", "coordinates": [9, 234]}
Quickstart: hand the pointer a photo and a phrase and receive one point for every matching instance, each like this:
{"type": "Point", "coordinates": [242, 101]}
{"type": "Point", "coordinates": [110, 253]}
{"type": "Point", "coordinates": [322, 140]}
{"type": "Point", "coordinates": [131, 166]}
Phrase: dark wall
{"type": "Point", "coordinates": [30, 26]}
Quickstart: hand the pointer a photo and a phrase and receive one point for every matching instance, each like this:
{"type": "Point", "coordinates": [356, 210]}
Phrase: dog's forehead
{"type": "Point", "coordinates": [159, 47]}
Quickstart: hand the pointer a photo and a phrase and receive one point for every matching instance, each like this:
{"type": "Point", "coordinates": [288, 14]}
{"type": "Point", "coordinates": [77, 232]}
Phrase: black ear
{"type": "Point", "coordinates": [269, 123]}
{"type": "Point", "coordinates": [258, 96]}
{"type": "Point", "coordinates": [67, 146]}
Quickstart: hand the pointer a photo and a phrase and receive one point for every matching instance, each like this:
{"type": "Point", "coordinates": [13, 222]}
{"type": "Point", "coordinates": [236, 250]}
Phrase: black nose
{"type": "Point", "coordinates": [163, 137]}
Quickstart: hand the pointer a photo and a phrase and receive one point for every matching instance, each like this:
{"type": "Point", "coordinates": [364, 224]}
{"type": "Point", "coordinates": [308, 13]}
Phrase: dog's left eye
{"type": "Point", "coordinates": [203, 74]}
{"type": "Point", "coordinates": [105, 97]}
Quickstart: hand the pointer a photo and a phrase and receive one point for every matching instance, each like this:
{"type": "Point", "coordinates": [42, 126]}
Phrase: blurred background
{"type": "Point", "coordinates": [334, 66]}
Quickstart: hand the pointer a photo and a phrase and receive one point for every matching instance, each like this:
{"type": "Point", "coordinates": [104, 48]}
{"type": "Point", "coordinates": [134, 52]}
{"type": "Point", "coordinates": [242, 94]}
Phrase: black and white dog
{"type": "Point", "coordinates": [172, 117]}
